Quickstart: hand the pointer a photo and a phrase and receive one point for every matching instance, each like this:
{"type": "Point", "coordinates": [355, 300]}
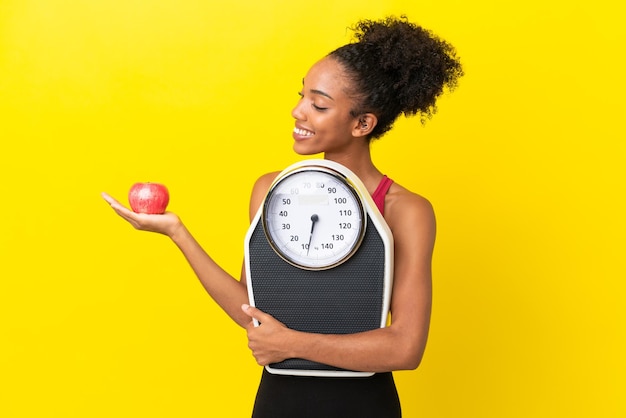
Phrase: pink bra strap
{"type": "Point", "coordinates": [380, 192]}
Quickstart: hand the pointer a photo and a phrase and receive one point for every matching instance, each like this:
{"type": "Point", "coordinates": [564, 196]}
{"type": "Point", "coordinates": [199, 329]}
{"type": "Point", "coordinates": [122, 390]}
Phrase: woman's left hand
{"type": "Point", "coordinates": [269, 341]}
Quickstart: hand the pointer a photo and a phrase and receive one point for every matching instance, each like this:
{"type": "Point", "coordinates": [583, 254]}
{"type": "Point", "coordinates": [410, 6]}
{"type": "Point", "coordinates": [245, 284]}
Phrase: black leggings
{"type": "Point", "coordinates": [327, 397]}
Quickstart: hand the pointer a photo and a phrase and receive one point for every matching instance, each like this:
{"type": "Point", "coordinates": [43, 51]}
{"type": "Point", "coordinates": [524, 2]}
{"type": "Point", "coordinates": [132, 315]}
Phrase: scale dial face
{"type": "Point", "coordinates": [314, 218]}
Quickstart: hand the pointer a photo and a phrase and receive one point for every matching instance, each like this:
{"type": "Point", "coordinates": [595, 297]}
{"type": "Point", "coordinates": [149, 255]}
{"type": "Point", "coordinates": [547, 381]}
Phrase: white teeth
{"type": "Point", "coordinates": [302, 132]}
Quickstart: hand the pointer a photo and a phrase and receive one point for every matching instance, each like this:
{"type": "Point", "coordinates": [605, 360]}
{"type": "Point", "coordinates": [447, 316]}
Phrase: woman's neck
{"type": "Point", "coordinates": [360, 164]}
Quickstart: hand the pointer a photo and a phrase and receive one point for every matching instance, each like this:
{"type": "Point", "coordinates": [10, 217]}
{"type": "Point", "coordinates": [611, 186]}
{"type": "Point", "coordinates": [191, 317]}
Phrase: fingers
{"type": "Point", "coordinates": [133, 218]}
{"type": "Point", "coordinates": [110, 200]}
{"type": "Point", "coordinates": [117, 206]}
{"type": "Point", "coordinates": [255, 313]}
{"type": "Point", "coordinates": [268, 341]}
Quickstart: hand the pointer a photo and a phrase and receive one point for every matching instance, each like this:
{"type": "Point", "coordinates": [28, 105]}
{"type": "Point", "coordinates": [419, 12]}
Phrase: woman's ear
{"type": "Point", "coordinates": [364, 125]}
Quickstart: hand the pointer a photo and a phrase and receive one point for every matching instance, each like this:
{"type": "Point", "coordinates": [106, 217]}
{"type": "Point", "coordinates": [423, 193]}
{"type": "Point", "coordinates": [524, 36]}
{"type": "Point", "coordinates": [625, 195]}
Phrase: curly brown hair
{"type": "Point", "coordinates": [397, 67]}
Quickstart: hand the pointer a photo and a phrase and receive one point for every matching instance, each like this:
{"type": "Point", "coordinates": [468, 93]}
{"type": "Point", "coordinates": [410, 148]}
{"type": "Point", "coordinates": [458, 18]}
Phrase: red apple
{"type": "Point", "coordinates": [148, 198]}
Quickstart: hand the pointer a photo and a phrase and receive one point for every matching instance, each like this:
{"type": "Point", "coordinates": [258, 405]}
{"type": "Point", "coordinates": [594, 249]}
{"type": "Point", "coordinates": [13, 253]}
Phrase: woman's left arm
{"type": "Point", "coordinates": [399, 346]}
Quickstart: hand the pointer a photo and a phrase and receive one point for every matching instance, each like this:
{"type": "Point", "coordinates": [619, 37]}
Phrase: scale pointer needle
{"type": "Point", "coordinates": [314, 219]}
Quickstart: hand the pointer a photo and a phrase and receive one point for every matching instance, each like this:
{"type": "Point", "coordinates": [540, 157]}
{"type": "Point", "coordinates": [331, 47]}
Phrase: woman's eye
{"type": "Point", "coordinates": [313, 105]}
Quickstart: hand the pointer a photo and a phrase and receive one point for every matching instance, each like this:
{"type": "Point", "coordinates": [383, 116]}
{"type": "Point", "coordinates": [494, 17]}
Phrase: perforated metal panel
{"type": "Point", "coordinates": [346, 299]}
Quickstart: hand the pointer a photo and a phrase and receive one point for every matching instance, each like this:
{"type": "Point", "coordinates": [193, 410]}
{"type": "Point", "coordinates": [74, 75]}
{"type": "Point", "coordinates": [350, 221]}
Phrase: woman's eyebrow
{"type": "Point", "coordinates": [320, 92]}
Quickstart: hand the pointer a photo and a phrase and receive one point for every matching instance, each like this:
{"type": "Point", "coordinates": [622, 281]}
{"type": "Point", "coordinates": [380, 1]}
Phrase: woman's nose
{"type": "Point", "coordinates": [297, 112]}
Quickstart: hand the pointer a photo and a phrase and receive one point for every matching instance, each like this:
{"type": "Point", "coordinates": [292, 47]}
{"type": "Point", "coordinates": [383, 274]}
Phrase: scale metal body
{"type": "Point", "coordinates": [319, 258]}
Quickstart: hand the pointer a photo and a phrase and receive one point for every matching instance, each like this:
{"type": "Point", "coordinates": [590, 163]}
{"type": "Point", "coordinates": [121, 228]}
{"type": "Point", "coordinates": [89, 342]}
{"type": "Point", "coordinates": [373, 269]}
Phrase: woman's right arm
{"type": "Point", "coordinates": [228, 292]}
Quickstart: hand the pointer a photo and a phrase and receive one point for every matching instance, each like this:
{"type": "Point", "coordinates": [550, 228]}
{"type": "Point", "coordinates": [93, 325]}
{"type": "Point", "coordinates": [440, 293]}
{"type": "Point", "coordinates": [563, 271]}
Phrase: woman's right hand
{"type": "Point", "coordinates": [166, 224]}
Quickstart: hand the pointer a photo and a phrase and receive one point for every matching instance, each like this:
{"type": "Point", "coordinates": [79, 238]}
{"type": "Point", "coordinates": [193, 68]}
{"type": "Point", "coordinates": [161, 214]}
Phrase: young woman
{"type": "Point", "coordinates": [348, 98]}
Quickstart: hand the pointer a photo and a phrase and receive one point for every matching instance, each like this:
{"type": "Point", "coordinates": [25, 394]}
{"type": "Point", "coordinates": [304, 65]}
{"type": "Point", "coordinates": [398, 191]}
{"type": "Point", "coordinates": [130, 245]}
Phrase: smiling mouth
{"type": "Point", "coordinates": [303, 132]}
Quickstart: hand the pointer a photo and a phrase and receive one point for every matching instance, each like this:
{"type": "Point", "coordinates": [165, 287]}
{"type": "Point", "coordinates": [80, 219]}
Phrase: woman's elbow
{"type": "Point", "coordinates": [411, 361]}
{"type": "Point", "coordinates": [409, 356]}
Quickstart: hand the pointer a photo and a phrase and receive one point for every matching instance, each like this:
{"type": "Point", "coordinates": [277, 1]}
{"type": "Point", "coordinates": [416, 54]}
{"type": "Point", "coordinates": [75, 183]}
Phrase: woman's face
{"type": "Point", "coordinates": [323, 119]}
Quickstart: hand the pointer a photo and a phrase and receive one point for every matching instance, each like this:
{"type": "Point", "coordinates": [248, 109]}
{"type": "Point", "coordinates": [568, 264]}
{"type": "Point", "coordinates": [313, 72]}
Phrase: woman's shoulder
{"type": "Point", "coordinates": [266, 180]}
{"type": "Point", "coordinates": [260, 189]}
{"type": "Point", "coordinates": [403, 207]}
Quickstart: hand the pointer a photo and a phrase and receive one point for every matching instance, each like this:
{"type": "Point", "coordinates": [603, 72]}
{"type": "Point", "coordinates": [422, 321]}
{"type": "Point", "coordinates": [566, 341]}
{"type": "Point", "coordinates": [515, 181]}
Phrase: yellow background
{"type": "Point", "coordinates": [524, 164]}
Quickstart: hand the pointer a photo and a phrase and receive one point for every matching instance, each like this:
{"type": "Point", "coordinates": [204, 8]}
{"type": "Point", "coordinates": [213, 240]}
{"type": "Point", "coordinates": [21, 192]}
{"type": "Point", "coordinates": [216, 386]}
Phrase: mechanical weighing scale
{"type": "Point", "coordinates": [319, 258]}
